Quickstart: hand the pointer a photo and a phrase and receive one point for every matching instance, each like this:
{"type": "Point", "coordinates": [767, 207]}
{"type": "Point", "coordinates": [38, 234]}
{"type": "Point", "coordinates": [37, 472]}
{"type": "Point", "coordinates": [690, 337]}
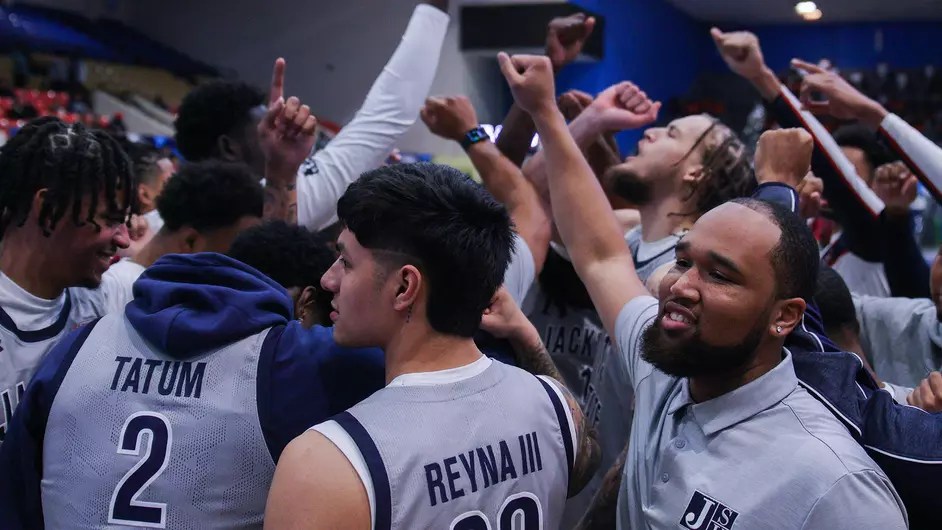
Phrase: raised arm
{"type": "Point", "coordinates": [565, 37]}
{"type": "Point", "coordinates": [584, 218]}
{"type": "Point", "coordinates": [847, 193]}
{"type": "Point", "coordinates": [391, 107]}
{"type": "Point", "coordinates": [452, 118]}
{"type": "Point", "coordinates": [906, 269]}
{"type": "Point", "coordinates": [286, 136]}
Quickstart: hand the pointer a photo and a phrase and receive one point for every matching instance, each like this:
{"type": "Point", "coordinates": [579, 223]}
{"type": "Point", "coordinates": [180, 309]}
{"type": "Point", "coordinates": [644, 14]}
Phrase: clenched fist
{"type": "Point", "coordinates": [449, 117]}
{"type": "Point", "coordinates": [531, 81]}
{"type": "Point", "coordinates": [896, 186]}
{"type": "Point", "coordinates": [740, 50]}
{"type": "Point", "coordinates": [783, 155]}
{"type": "Point", "coordinates": [565, 37]}
{"type": "Point", "coordinates": [624, 106]}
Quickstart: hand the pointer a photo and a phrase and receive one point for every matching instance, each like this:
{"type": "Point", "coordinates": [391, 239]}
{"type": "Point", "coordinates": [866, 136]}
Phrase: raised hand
{"type": "Point", "coordinates": [624, 106]}
{"type": "Point", "coordinates": [783, 155]}
{"type": "Point", "coordinates": [565, 37]}
{"type": "Point", "coordinates": [896, 186]}
{"type": "Point", "coordinates": [503, 318]}
{"type": "Point", "coordinates": [286, 132]}
{"type": "Point", "coordinates": [449, 117]}
{"type": "Point", "coordinates": [573, 102]}
{"type": "Point", "coordinates": [842, 100]}
{"type": "Point", "coordinates": [531, 81]}
{"type": "Point", "coordinates": [928, 395]}
{"type": "Point", "coordinates": [741, 51]}
{"type": "Point", "coordinates": [810, 196]}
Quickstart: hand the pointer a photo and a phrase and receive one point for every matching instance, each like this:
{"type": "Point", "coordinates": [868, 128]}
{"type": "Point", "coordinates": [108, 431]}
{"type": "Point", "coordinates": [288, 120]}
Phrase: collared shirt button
{"type": "Point", "coordinates": [680, 443]}
{"type": "Point", "coordinates": [665, 477]}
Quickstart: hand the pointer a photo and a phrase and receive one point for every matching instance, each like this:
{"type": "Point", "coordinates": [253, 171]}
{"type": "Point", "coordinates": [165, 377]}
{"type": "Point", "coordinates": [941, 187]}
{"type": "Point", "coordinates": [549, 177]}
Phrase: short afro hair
{"type": "Point", "coordinates": [859, 136]}
{"type": "Point", "coordinates": [291, 255]}
{"type": "Point", "coordinates": [835, 302]}
{"type": "Point", "coordinates": [795, 258]}
{"type": "Point", "coordinates": [210, 195]}
{"type": "Point", "coordinates": [212, 110]}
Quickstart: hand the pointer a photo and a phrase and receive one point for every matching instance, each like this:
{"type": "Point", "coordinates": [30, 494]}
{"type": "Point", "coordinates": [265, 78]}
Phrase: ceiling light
{"type": "Point", "coordinates": [812, 16]}
{"type": "Point", "coordinates": [805, 8]}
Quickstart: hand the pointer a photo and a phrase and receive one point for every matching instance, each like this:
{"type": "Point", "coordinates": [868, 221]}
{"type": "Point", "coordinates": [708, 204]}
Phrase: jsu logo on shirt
{"type": "Point", "coordinates": [707, 513]}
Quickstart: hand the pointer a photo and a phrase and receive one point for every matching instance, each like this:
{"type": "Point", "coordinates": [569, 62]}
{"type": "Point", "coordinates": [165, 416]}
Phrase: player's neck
{"type": "Point", "coordinates": [705, 388]}
{"type": "Point", "coordinates": [30, 266]}
{"type": "Point", "coordinates": [659, 219]}
{"type": "Point", "coordinates": [159, 246]}
{"type": "Point", "coordinates": [428, 351]}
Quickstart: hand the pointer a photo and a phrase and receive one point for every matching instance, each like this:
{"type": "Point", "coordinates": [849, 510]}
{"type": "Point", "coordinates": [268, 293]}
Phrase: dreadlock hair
{"type": "Point", "coordinates": [727, 173]}
{"type": "Point", "coordinates": [70, 162]}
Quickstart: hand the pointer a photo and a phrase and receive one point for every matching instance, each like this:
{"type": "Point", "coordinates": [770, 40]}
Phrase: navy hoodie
{"type": "Point", "coordinates": [187, 305]}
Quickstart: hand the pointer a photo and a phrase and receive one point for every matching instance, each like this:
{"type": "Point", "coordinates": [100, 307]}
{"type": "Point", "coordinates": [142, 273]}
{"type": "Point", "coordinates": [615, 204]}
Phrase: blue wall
{"type": "Point", "coordinates": [648, 42]}
{"type": "Point", "coordinates": [904, 44]}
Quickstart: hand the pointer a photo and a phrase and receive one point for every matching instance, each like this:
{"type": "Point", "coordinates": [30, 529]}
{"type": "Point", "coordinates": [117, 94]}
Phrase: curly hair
{"type": "Point", "coordinates": [70, 162]}
{"type": "Point", "coordinates": [212, 110]}
{"type": "Point", "coordinates": [291, 255]}
{"type": "Point", "coordinates": [210, 195]}
{"type": "Point", "coordinates": [727, 172]}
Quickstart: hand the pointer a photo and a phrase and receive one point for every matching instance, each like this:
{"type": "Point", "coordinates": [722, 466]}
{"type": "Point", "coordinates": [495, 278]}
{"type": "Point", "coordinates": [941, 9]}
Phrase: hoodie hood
{"type": "Point", "coordinates": [187, 304]}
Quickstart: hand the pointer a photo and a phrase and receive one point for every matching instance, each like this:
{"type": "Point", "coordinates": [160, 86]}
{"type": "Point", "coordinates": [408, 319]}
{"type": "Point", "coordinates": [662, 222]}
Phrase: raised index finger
{"type": "Point", "coordinates": [277, 90]}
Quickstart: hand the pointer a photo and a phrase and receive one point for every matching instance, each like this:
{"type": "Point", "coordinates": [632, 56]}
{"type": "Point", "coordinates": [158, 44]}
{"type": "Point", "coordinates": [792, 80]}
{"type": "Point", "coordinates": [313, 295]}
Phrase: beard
{"type": "Point", "coordinates": [627, 185]}
{"type": "Point", "coordinates": [693, 357]}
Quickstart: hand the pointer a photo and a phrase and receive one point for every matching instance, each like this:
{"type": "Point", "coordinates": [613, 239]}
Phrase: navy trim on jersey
{"type": "Point", "coordinates": [40, 335]}
{"type": "Point", "coordinates": [374, 462]}
{"type": "Point", "coordinates": [263, 387]}
{"type": "Point", "coordinates": [563, 423]}
{"type": "Point", "coordinates": [62, 371]}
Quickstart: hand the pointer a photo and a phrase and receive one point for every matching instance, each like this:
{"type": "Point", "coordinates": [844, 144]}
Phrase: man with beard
{"type": "Point", "coordinates": [677, 173]}
{"type": "Point", "coordinates": [714, 385]}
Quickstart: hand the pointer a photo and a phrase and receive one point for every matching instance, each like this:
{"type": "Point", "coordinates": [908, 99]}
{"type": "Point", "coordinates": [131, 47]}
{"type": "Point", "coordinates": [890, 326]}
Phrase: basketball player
{"type": "Point", "coordinates": [707, 365]}
{"type": "Point", "coordinates": [65, 195]}
{"type": "Point", "coordinates": [294, 257]}
{"type": "Point", "coordinates": [174, 412]}
{"type": "Point", "coordinates": [204, 207]}
{"type": "Point", "coordinates": [455, 440]}
{"type": "Point", "coordinates": [218, 120]}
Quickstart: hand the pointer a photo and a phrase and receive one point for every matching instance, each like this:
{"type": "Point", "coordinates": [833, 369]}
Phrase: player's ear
{"type": "Point", "coordinates": [408, 284]}
{"type": "Point", "coordinates": [189, 239]}
{"type": "Point", "coordinates": [228, 148]}
{"type": "Point", "coordinates": [787, 316]}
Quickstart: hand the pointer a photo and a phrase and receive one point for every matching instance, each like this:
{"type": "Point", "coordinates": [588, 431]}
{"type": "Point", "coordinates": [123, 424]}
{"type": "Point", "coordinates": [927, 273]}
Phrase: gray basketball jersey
{"type": "Point", "coordinates": [491, 451]}
{"type": "Point", "coordinates": [138, 438]}
{"type": "Point", "coordinates": [22, 351]}
{"type": "Point", "coordinates": [649, 264]}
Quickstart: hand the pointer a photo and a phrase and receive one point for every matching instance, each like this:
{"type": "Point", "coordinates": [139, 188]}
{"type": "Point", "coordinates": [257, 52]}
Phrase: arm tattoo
{"type": "Point", "coordinates": [281, 202]}
{"type": "Point", "coordinates": [588, 455]}
{"type": "Point", "coordinates": [603, 509]}
{"type": "Point", "coordinates": [536, 360]}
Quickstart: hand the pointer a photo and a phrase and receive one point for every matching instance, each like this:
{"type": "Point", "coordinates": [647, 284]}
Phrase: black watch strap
{"type": "Point", "coordinates": [475, 135]}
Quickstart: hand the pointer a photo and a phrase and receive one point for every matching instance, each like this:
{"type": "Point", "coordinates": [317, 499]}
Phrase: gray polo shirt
{"type": "Point", "coordinates": [764, 456]}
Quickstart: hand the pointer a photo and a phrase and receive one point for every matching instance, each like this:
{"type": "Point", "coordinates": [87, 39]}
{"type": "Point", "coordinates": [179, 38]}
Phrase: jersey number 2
{"type": "Point", "coordinates": [125, 508]}
{"type": "Point", "coordinates": [519, 512]}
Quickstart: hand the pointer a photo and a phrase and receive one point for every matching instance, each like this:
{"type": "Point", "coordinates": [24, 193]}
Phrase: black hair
{"type": "Point", "coordinates": [443, 223]}
{"type": "Point", "coordinates": [859, 136]}
{"type": "Point", "coordinates": [727, 173]}
{"type": "Point", "coordinates": [144, 158]}
{"type": "Point", "coordinates": [212, 110]}
{"type": "Point", "coordinates": [209, 195]}
{"type": "Point", "coordinates": [291, 255]}
{"type": "Point", "coordinates": [795, 258]}
{"type": "Point", "coordinates": [835, 302]}
{"type": "Point", "coordinates": [70, 162]}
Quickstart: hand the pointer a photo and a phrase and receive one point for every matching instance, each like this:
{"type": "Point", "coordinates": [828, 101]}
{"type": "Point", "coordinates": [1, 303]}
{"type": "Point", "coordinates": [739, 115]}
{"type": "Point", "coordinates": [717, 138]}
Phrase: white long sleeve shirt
{"type": "Point", "coordinates": [390, 108]}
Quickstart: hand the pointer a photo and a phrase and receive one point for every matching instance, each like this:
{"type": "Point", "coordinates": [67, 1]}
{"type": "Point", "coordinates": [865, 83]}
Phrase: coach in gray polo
{"type": "Point", "coordinates": [723, 436]}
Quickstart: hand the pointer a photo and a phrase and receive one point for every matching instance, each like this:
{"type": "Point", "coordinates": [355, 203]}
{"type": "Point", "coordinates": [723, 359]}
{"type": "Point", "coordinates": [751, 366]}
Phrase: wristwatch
{"type": "Point", "coordinates": [475, 135]}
